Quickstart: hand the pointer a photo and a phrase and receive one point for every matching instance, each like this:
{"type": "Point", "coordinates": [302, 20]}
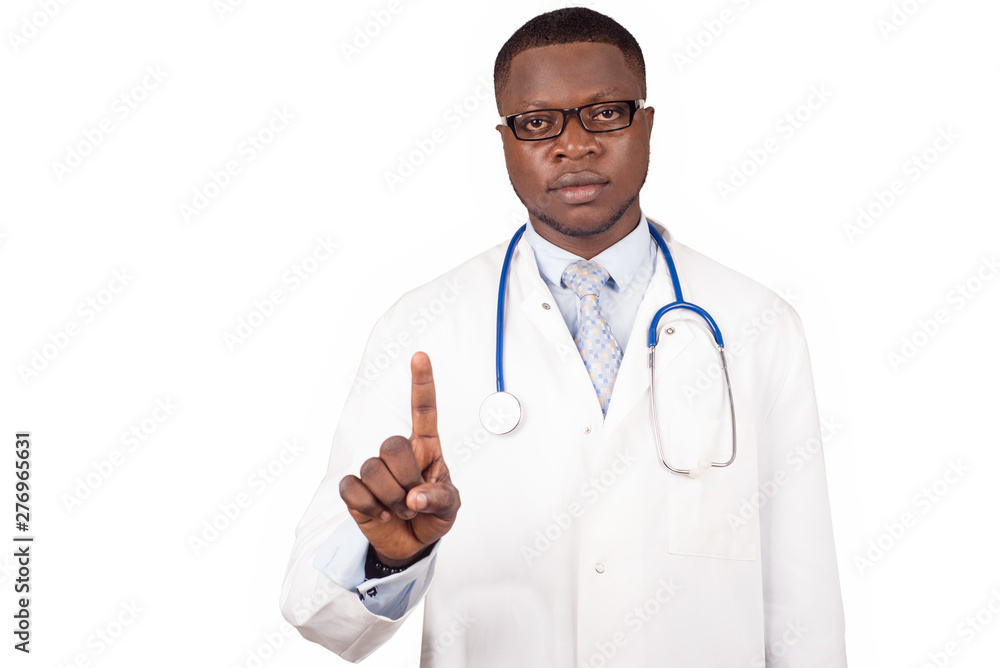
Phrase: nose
{"type": "Point", "coordinates": [575, 142]}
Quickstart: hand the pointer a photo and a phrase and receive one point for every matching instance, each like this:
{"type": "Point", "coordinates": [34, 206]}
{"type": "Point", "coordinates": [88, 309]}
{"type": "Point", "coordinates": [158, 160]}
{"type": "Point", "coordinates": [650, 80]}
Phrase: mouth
{"type": "Point", "coordinates": [578, 187]}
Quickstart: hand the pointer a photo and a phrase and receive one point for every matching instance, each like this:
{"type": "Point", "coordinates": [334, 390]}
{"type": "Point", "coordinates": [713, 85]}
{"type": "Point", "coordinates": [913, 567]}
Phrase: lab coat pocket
{"type": "Point", "coordinates": [712, 515]}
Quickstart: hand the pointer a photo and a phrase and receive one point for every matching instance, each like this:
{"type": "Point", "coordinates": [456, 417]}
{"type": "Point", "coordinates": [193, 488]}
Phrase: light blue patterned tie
{"type": "Point", "coordinates": [600, 351]}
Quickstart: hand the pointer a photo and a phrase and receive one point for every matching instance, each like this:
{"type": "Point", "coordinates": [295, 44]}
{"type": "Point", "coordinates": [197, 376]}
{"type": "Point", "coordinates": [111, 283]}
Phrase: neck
{"type": "Point", "coordinates": [590, 245]}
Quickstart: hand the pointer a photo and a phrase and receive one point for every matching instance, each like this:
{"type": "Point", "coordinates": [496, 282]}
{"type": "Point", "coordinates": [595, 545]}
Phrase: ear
{"type": "Point", "coordinates": [506, 134]}
{"type": "Point", "coordinates": [649, 117]}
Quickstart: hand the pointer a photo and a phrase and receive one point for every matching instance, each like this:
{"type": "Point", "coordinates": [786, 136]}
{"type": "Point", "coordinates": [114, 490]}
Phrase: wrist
{"type": "Point", "coordinates": [378, 565]}
{"type": "Point", "coordinates": [387, 562]}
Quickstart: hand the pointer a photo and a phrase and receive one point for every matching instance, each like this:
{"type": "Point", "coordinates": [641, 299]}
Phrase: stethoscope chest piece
{"type": "Point", "coordinates": [500, 413]}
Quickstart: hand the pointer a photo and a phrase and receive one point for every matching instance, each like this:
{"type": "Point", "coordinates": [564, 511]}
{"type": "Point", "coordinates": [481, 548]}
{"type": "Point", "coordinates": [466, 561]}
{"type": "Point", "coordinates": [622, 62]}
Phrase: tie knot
{"type": "Point", "coordinates": [585, 278]}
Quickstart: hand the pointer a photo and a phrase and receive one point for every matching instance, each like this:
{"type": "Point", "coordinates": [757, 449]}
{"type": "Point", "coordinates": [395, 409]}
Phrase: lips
{"type": "Point", "coordinates": [575, 179]}
{"type": "Point", "coordinates": [578, 187]}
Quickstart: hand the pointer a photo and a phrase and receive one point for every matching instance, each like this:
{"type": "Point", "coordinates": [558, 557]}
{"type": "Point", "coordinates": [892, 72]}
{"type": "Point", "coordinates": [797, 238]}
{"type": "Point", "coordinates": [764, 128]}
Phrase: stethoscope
{"type": "Point", "coordinates": [500, 412]}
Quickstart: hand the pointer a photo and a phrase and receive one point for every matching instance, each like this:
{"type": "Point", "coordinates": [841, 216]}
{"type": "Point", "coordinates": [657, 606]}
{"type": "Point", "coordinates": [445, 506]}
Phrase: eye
{"type": "Point", "coordinates": [535, 123]}
{"type": "Point", "coordinates": [608, 113]}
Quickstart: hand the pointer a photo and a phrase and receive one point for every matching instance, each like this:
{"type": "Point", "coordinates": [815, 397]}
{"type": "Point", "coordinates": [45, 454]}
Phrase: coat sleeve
{"type": "Point", "coordinates": [804, 618]}
{"type": "Point", "coordinates": [324, 610]}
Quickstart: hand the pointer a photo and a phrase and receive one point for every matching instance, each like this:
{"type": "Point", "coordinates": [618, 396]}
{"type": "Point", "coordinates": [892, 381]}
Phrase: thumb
{"type": "Point", "coordinates": [435, 498]}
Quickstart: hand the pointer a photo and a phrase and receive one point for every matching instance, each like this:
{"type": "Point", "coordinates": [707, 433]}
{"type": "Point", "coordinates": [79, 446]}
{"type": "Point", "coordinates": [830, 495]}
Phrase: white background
{"type": "Point", "coordinates": [357, 115]}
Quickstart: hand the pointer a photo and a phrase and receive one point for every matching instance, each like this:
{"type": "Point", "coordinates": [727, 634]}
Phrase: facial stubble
{"type": "Point", "coordinates": [569, 231]}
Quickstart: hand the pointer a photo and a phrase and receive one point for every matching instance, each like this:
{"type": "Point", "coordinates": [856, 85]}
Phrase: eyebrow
{"type": "Point", "coordinates": [605, 95]}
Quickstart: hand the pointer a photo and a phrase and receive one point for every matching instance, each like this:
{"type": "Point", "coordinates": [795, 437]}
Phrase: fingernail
{"type": "Point", "coordinates": [385, 515]}
{"type": "Point", "coordinates": [421, 501]}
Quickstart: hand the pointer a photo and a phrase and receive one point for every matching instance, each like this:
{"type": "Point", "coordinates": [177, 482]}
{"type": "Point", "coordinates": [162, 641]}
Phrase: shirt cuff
{"type": "Point", "coordinates": [342, 559]}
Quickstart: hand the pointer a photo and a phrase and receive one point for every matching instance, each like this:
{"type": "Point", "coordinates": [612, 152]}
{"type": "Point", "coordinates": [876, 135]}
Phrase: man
{"type": "Point", "coordinates": [567, 542]}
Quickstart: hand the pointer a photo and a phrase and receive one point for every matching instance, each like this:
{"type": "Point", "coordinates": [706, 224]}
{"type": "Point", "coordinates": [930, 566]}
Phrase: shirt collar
{"type": "Point", "coordinates": [622, 260]}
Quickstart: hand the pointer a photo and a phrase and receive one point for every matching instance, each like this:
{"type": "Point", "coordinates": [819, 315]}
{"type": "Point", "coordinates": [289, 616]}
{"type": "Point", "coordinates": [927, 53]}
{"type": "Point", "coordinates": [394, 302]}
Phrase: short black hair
{"type": "Point", "coordinates": [565, 26]}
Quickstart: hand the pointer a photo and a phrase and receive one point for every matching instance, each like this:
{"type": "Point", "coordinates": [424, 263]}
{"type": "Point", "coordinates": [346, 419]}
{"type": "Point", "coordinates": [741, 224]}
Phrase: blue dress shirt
{"type": "Point", "coordinates": [630, 262]}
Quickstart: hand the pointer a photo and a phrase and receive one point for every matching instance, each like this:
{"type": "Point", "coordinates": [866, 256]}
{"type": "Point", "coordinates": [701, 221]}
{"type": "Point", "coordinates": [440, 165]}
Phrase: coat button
{"type": "Point", "coordinates": [545, 305]}
{"type": "Point", "coordinates": [599, 567]}
{"type": "Point", "coordinates": [586, 429]}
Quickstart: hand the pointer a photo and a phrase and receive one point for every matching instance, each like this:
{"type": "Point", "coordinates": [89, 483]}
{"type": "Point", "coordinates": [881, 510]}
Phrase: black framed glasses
{"type": "Point", "coordinates": [549, 123]}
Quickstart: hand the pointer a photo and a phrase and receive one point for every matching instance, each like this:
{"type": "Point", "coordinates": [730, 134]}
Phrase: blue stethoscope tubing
{"type": "Point", "coordinates": [501, 411]}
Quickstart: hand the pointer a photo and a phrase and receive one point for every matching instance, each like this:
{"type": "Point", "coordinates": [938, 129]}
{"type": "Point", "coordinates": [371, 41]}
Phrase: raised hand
{"type": "Point", "coordinates": [404, 499]}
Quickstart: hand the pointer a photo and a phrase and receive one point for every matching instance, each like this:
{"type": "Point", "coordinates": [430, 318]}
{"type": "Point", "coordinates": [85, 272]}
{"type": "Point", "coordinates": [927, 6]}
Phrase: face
{"type": "Point", "coordinates": [579, 185]}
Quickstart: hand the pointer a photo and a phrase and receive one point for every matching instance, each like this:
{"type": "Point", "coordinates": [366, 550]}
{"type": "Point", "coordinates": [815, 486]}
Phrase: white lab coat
{"type": "Point", "coordinates": [574, 545]}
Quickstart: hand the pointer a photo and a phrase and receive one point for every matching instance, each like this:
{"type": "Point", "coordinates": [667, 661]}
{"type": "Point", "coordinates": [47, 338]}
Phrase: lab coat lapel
{"type": "Point", "coordinates": [527, 291]}
{"type": "Point", "coordinates": [632, 383]}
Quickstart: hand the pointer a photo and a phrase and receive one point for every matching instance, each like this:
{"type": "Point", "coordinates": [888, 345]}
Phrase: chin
{"type": "Point", "coordinates": [583, 223]}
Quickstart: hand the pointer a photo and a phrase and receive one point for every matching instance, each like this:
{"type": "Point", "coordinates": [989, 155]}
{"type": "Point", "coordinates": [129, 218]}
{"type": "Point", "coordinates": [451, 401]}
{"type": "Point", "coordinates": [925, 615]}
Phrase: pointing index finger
{"type": "Point", "coordinates": [423, 402]}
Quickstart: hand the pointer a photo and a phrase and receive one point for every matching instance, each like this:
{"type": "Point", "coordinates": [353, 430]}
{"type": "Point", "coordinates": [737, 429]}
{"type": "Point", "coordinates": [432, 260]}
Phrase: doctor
{"type": "Point", "coordinates": [566, 542]}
